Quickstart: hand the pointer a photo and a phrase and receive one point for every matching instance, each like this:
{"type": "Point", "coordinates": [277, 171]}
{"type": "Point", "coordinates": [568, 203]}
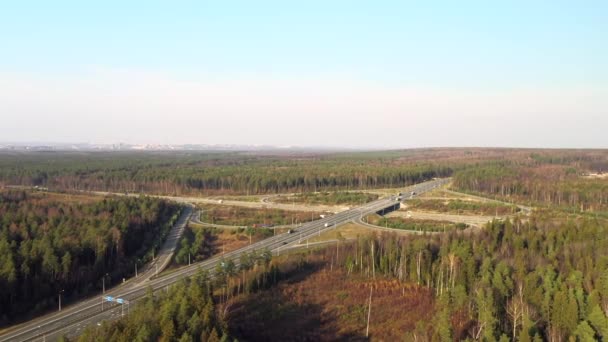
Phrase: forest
{"type": "Point", "coordinates": [536, 183]}
{"type": "Point", "coordinates": [192, 309]}
{"type": "Point", "coordinates": [186, 313]}
{"type": "Point", "coordinates": [208, 173]}
{"type": "Point", "coordinates": [536, 276]}
{"type": "Point", "coordinates": [495, 170]}
{"type": "Point", "coordinates": [51, 246]}
{"type": "Point", "coordinates": [542, 279]}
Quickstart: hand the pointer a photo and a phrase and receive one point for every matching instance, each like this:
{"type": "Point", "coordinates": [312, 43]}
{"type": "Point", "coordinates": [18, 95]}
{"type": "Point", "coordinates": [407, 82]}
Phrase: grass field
{"type": "Point", "coordinates": [414, 224]}
{"type": "Point", "coordinates": [459, 206]}
{"type": "Point", "coordinates": [242, 216]}
{"type": "Point", "coordinates": [328, 198]}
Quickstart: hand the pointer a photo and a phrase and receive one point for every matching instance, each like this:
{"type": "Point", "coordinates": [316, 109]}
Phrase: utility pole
{"type": "Point", "coordinates": [103, 283]}
{"type": "Point", "coordinates": [188, 258]}
{"type": "Point", "coordinates": [136, 268]}
{"type": "Point", "coordinates": [337, 249]}
{"type": "Point", "coordinates": [369, 311]}
{"type": "Point", "coordinates": [156, 265]}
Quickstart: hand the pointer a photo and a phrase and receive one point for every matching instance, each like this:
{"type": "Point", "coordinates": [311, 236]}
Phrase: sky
{"type": "Point", "coordinates": [362, 74]}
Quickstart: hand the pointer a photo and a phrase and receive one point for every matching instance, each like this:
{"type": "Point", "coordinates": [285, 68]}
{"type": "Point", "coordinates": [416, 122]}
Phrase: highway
{"type": "Point", "coordinates": [71, 321]}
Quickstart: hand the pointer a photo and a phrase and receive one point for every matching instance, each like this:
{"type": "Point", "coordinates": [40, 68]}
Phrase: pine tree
{"type": "Point", "coordinates": [598, 321]}
{"type": "Point", "coordinates": [584, 332]}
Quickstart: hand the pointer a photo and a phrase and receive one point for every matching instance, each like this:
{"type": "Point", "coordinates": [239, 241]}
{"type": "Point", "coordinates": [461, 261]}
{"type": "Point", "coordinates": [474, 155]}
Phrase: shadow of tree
{"type": "Point", "coordinates": [270, 315]}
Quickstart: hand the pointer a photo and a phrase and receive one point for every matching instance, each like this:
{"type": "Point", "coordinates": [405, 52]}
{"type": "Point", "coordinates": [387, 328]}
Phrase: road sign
{"type": "Point", "coordinates": [120, 301]}
{"type": "Point", "coordinates": [109, 298]}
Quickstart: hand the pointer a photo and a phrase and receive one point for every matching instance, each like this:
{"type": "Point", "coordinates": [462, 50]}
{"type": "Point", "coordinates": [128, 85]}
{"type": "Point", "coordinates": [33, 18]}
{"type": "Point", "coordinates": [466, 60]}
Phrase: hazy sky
{"type": "Point", "coordinates": [311, 73]}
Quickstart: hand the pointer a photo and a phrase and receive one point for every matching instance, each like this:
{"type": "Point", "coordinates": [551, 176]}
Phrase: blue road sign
{"type": "Point", "coordinates": [120, 301]}
{"type": "Point", "coordinates": [109, 298]}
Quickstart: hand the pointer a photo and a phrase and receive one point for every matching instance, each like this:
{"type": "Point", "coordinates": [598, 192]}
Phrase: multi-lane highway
{"type": "Point", "coordinates": [73, 320]}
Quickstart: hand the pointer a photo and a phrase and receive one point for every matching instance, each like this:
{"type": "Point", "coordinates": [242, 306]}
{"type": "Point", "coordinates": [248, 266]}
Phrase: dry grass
{"type": "Point", "coordinates": [227, 242]}
{"type": "Point", "coordinates": [320, 303]}
{"type": "Point", "coordinates": [68, 198]}
{"type": "Point", "coordinates": [443, 194]}
{"type": "Point", "coordinates": [346, 231]}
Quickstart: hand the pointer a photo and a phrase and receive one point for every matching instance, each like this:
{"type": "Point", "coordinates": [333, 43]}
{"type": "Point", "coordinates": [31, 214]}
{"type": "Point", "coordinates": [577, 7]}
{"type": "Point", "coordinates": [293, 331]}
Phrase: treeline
{"type": "Point", "coordinates": [539, 280]}
{"type": "Point", "coordinates": [225, 173]}
{"type": "Point", "coordinates": [560, 186]}
{"type": "Point", "coordinates": [48, 247]}
{"type": "Point", "coordinates": [214, 173]}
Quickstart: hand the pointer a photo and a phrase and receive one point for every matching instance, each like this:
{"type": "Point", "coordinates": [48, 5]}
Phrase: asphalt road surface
{"type": "Point", "coordinates": [71, 321]}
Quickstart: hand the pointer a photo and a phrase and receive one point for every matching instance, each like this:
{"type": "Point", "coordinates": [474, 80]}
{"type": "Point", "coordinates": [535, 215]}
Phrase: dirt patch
{"type": "Point", "coordinates": [227, 241]}
{"type": "Point", "coordinates": [324, 305]}
{"type": "Point", "coordinates": [596, 176]}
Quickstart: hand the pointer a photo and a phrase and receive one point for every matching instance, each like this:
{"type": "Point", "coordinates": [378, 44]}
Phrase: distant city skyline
{"type": "Point", "coordinates": [344, 74]}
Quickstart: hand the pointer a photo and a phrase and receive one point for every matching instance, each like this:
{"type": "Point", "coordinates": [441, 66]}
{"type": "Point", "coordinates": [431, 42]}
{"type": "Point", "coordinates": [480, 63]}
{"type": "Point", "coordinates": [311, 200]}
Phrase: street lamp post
{"type": "Point", "coordinates": [60, 299]}
{"type": "Point", "coordinates": [103, 283]}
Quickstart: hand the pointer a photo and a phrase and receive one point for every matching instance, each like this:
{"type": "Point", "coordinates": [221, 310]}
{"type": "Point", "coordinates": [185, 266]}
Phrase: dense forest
{"type": "Point", "coordinates": [210, 173]}
{"type": "Point", "coordinates": [558, 183]}
{"type": "Point", "coordinates": [214, 173]}
{"type": "Point", "coordinates": [543, 279]}
{"type": "Point", "coordinates": [50, 246]}
{"type": "Point", "coordinates": [191, 310]}
{"type": "Point", "coordinates": [186, 313]}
